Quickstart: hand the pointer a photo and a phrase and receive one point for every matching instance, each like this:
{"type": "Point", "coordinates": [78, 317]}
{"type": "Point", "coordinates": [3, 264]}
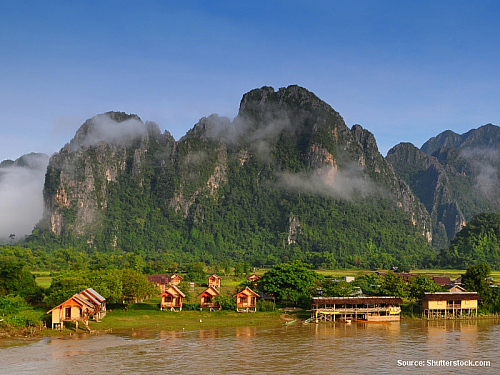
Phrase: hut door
{"type": "Point", "coordinates": [68, 312]}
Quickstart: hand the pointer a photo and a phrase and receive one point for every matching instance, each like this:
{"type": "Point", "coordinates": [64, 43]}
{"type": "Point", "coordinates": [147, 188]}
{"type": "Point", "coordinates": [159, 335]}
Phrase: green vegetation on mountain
{"type": "Point", "coordinates": [478, 242]}
{"type": "Point", "coordinates": [286, 180]}
{"type": "Point", "coordinates": [454, 176]}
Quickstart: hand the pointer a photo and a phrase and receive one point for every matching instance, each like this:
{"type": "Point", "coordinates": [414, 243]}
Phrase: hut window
{"type": "Point", "coordinates": [207, 299]}
{"type": "Point", "coordinates": [243, 299]}
{"type": "Point", "coordinates": [168, 299]}
{"type": "Point", "coordinates": [68, 312]}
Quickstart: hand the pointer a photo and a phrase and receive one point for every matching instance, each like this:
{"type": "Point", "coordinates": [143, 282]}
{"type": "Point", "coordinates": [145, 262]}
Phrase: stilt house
{"type": "Point", "coordinates": [444, 305]}
{"type": "Point", "coordinates": [246, 300]}
{"type": "Point", "coordinates": [172, 298]}
{"type": "Point", "coordinates": [207, 299]}
{"type": "Point", "coordinates": [214, 281]}
{"type": "Point", "coordinates": [75, 309]}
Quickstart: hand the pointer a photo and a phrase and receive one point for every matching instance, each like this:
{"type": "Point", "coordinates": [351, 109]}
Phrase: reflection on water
{"type": "Point", "coordinates": [356, 348]}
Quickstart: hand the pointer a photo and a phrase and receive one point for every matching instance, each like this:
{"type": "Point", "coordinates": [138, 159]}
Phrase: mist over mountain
{"type": "Point", "coordinates": [21, 186]}
{"type": "Point", "coordinates": [454, 176]}
{"type": "Point", "coordinates": [286, 179]}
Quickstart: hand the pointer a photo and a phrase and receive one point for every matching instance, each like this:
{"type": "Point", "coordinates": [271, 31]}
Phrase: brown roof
{"type": "Point", "coordinates": [175, 289]}
{"type": "Point", "coordinates": [248, 292]}
{"type": "Point", "coordinates": [77, 299]}
{"type": "Point", "coordinates": [447, 296]}
{"type": "Point", "coordinates": [355, 300]}
{"type": "Point", "coordinates": [159, 279]}
{"type": "Point", "coordinates": [210, 291]}
{"type": "Point", "coordinates": [441, 280]}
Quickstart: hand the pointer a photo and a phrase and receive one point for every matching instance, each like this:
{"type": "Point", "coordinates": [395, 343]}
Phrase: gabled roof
{"type": "Point", "coordinates": [248, 292]}
{"type": "Point", "coordinates": [455, 286]}
{"type": "Point", "coordinates": [96, 295]}
{"type": "Point", "coordinates": [215, 276]}
{"type": "Point", "coordinates": [90, 297]}
{"type": "Point", "coordinates": [253, 276]}
{"type": "Point", "coordinates": [93, 296]}
{"type": "Point", "coordinates": [209, 291]}
{"type": "Point", "coordinates": [175, 289]}
{"type": "Point", "coordinates": [174, 275]}
{"type": "Point", "coordinates": [78, 300]}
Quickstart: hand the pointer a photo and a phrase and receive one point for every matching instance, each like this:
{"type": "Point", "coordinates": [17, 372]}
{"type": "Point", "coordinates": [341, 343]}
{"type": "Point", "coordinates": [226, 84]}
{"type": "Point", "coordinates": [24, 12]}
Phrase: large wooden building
{"type": "Point", "coordinates": [246, 300]}
{"type": "Point", "coordinates": [172, 298]}
{"type": "Point", "coordinates": [444, 305]}
{"type": "Point", "coordinates": [373, 308]}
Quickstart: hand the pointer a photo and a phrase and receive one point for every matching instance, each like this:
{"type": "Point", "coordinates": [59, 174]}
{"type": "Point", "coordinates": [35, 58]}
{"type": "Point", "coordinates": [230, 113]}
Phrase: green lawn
{"type": "Point", "coordinates": [148, 317]}
{"type": "Point", "coordinates": [43, 278]}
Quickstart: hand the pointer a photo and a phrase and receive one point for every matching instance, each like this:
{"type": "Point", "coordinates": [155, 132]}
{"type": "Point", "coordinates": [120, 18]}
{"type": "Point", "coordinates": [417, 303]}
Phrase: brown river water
{"type": "Point", "coordinates": [417, 347]}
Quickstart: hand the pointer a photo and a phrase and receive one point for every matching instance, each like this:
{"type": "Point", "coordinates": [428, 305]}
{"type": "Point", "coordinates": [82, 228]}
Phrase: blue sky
{"type": "Point", "coordinates": [404, 70]}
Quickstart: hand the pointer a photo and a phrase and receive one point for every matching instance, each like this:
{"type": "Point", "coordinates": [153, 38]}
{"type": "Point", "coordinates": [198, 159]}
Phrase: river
{"type": "Point", "coordinates": [417, 347]}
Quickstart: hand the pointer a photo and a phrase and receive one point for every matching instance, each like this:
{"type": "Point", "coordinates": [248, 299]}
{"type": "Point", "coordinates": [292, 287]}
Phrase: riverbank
{"type": "Point", "coordinates": [147, 317]}
{"type": "Point", "coordinates": [150, 320]}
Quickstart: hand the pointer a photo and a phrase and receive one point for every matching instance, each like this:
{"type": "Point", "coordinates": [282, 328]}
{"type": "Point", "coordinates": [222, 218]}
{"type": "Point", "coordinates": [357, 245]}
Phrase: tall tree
{"type": "Point", "coordinates": [291, 282]}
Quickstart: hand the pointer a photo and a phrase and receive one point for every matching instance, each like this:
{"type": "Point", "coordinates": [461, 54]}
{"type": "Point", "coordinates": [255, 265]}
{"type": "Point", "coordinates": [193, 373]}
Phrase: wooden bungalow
{"type": "Point", "coordinates": [207, 299]}
{"type": "Point", "coordinates": [75, 309]}
{"type": "Point", "coordinates": [175, 279]}
{"type": "Point", "coordinates": [253, 278]}
{"type": "Point", "coordinates": [172, 298]}
{"type": "Point", "coordinates": [97, 300]}
{"type": "Point", "coordinates": [444, 305]}
{"type": "Point", "coordinates": [246, 300]}
{"type": "Point", "coordinates": [381, 309]}
{"type": "Point", "coordinates": [214, 281]}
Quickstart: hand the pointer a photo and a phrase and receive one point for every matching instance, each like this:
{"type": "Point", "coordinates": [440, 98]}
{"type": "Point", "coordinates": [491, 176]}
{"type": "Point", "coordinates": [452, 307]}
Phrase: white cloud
{"type": "Point", "coordinates": [21, 195]}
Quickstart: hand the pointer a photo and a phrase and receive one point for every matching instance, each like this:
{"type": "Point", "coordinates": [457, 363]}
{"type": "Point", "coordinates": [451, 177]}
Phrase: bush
{"type": "Point", "coordinates": [265, 305]}
{"type": "Point", "coordinates": [226, 302]}
{"type": "Point", "coordinates": [190, 306]}
{"type": "Point", "coordinates": [16, 312]}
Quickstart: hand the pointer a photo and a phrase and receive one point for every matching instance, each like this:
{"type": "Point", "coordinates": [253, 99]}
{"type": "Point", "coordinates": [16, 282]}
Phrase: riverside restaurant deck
{"type": "Point", "coordinates": [375, 309]}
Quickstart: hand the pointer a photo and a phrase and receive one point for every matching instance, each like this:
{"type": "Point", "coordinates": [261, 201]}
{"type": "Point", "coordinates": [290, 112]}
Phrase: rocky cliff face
{"type": "Point", "coordinates": [76, 190]}
{"type": "Point", "coordinates": [259, 178]}
{"type": "Point", "coordinates": [455, 176]}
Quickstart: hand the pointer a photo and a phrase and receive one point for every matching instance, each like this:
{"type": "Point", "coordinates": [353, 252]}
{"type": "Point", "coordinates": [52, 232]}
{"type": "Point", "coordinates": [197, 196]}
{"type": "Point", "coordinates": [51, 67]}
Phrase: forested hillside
{"type": "Point", "coordinates": [285, 180]}
{"type": "Point", "coordinates": [455, 177]}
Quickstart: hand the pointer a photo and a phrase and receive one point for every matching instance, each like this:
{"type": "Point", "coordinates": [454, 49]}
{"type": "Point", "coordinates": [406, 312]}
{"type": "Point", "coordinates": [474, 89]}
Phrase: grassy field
{"type": "Point", "coordinates": [148, 317]}
{"type": "Point", "coordinates": [43, 278]}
